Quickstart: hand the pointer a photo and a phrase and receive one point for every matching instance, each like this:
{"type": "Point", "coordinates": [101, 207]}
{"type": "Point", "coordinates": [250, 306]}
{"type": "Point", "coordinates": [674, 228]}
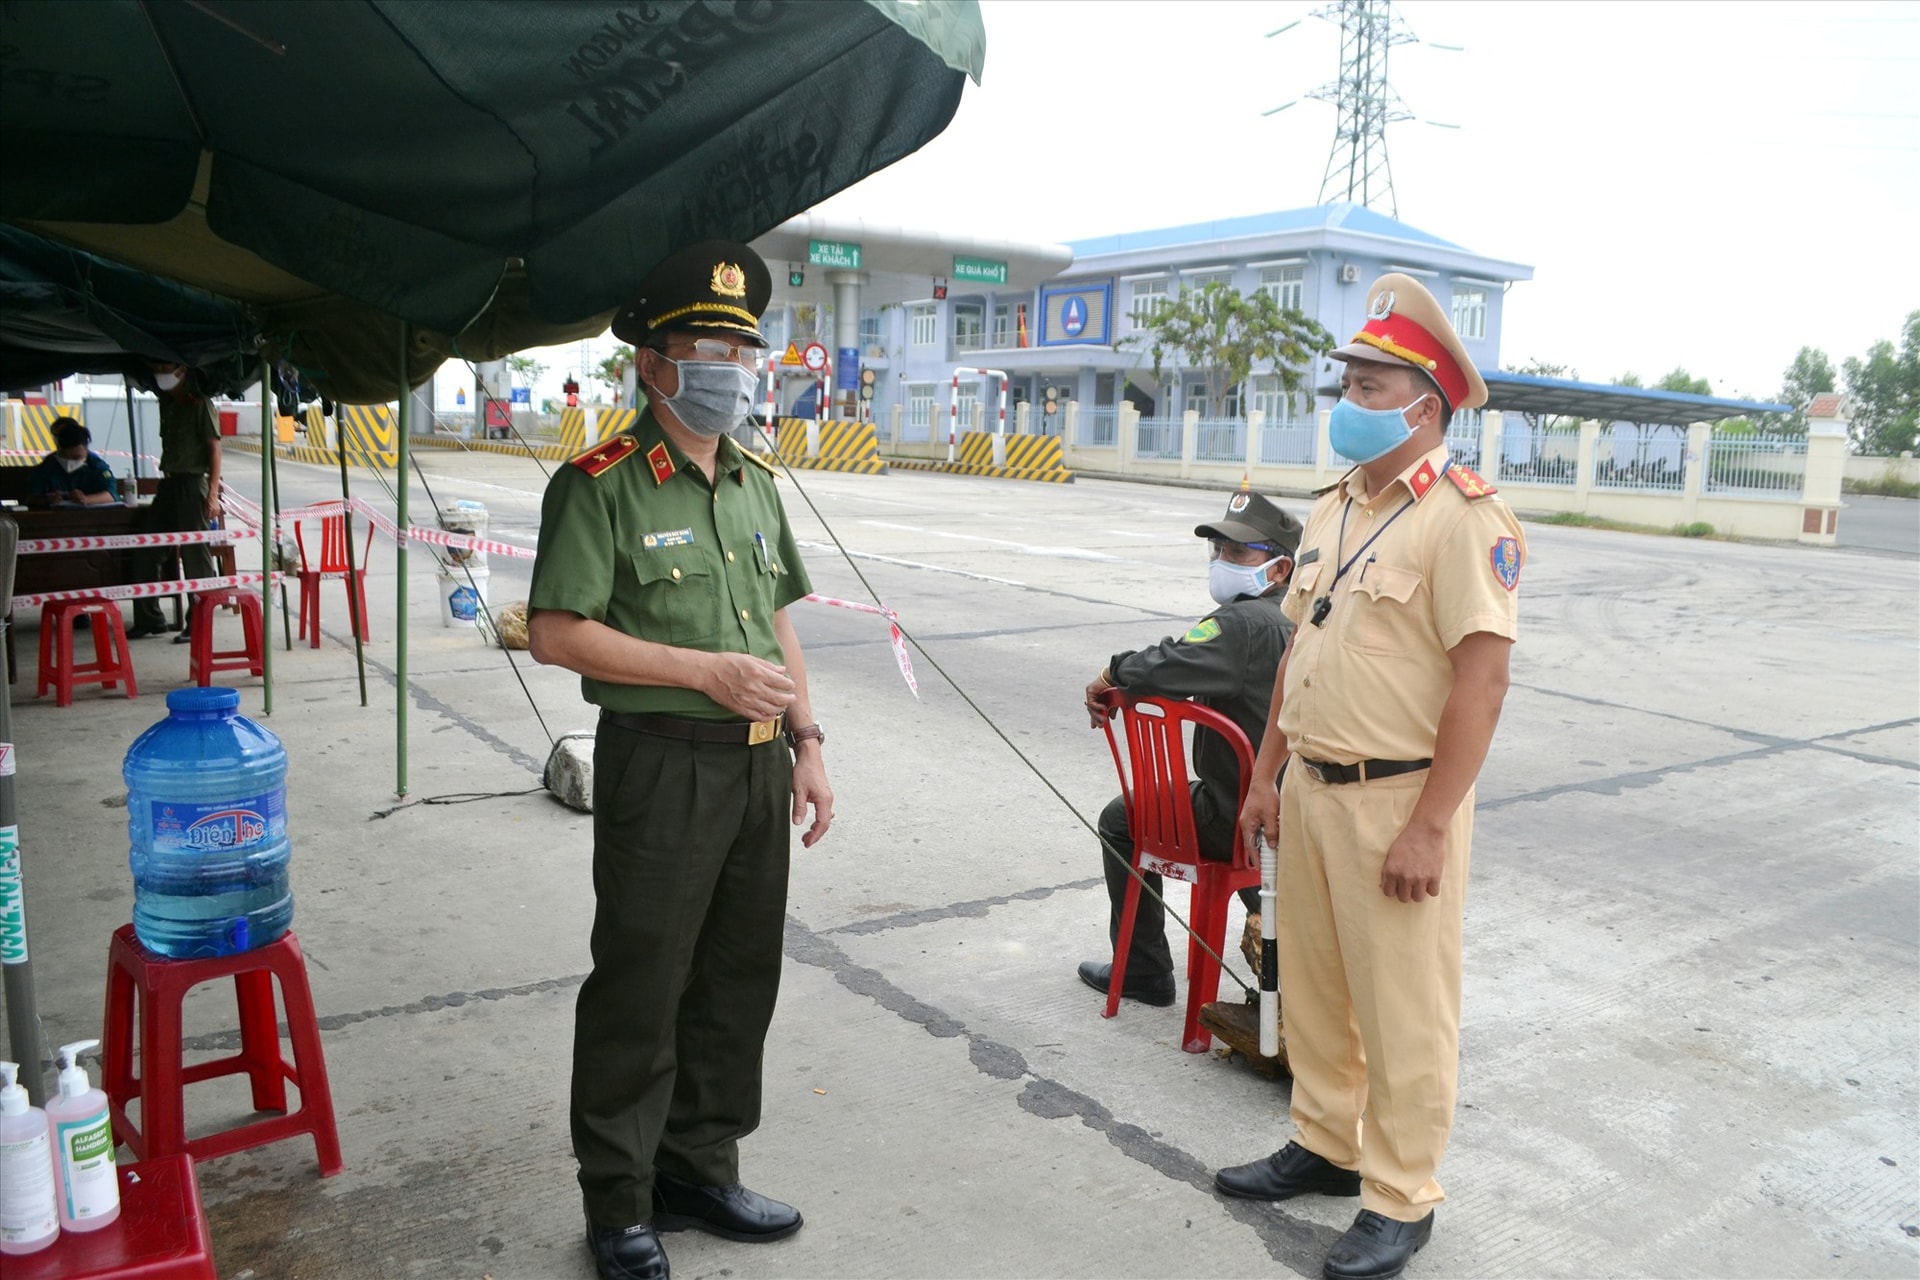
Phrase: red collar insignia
{"type": "Point", "coordinates": [1422, 479]}
{"type": "Point", "coordinates": [662, 464]}
{"type": "Point", "coordinates": [601, 457]}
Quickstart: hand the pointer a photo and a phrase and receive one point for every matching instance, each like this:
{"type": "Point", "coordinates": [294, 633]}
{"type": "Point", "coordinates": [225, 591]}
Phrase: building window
{"type": "Point", "coordinates": [1470, 313]}
{"type": "Point", "coordinates": [926, 324]}
{"type": "Point", "coordinates": [1285, 285]}
{"type": "Point", "coordinates": [1195, 398]}
{"type": "Point", "coordinates": [1002, 325]}
{"type": "Point", "coordinates": [1271, 399]}
{"type": "Point", "coordinates": [872, 333]}
{"type": "Point", "coordinates": [969, 399]}
{"type": "Point", "coordinates": [920, 404]}
{"type": "Point", "coordinates": [1195, 283]}
{"type": "Point", "coordinates": [1149, 300]}
{"type": "Point", "coordinates": [968, 333]}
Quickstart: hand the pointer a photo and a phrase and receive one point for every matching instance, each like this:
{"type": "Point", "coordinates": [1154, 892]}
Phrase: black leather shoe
{"type": "Point", "coordinates": [1376, 1248]}
{"type": "Point", "coordinates": [730, 1212]}
{"type": "Point", "coordinates": [1153, 991]}
{"type": "Point", "coordinates": [1291, 1171]}
{"type": "Point", "coordinates": [627, 1253]}
{"type": "Point", "coordinates": [185, 637]}
{"type": "Point", "coordinates": [140, 631]}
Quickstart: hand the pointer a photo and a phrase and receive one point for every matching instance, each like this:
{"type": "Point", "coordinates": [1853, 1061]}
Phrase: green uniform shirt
{"type": "Point", "coordinates": [672, 560]}
{"type": "Point", "coordinates": [49, 477]}
{"type": "Point", "coordinates": [188, 433]}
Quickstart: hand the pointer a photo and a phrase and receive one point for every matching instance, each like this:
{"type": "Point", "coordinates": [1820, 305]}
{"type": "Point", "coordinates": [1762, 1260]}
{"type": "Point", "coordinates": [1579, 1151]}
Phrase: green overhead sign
{"type": "Point", "coordinates": [832, 253]}
{"type": "Point", "coordinates": [979, 270]}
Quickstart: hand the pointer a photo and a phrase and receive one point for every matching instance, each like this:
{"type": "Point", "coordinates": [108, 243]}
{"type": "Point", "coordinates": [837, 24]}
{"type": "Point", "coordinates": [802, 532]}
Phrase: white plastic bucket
{"type": "Point", "coordinates": [470, 518]}
{"type": "Point", "coordinates": [462, 592]}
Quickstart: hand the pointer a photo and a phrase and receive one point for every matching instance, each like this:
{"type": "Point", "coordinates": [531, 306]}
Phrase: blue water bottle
{"type": "Point", "coordinates": [207, 816]}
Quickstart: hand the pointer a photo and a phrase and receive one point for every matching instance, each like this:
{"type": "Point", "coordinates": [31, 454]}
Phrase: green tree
{"type": "Point", "coordinates": [1538, 424]}
{"type": "Point", "coordinates": [1223, 333]}
{"type": "Point", "coordinates": [1681, 380]}
{"type": "Point", "coordinates": [1628, 380]}
{"type": "Point", "coordinates": [1807, 376]}
{"type": "Point", "coordinates": [1885, 392]}
{"type": "Point", "coordinates": [613, 370]}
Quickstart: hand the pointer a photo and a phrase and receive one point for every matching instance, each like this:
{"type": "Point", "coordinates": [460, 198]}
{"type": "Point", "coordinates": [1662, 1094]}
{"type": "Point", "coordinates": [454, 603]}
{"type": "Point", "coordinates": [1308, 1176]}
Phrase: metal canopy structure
{"type": "Point", "coordinates": [1603, 402]}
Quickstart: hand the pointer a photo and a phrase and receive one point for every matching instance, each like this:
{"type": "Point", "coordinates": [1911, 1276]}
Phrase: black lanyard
{"type": "Point", "coordinates": [1324, 605]}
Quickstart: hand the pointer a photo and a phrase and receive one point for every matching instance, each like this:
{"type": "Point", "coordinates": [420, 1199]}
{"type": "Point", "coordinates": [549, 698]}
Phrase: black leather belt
{"type": "Point", "coordinates": [729, 733]}
{"type": "Point", "coordinates": [1362, 772]}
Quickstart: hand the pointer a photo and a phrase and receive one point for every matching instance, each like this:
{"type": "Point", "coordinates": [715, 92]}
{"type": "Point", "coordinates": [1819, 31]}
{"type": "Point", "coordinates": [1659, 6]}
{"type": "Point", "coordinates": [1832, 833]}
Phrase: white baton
{"type": "Point", "coordinates": [1269, 950]}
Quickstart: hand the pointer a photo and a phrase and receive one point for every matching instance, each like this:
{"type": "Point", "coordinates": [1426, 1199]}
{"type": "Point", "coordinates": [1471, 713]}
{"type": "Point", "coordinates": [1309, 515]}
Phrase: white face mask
{"type": "Point", "coordinates": [167, 381]}
{"type": "Point", "coordinates": [72, 464]}
{"type": "Point", "coordinates": [1227, 581]}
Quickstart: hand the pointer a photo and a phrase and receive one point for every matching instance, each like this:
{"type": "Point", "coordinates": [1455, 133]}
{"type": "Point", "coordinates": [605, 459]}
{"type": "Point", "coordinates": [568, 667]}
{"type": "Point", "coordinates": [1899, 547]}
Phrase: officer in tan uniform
{"type": "Point", "coordinates": [1405, 600]}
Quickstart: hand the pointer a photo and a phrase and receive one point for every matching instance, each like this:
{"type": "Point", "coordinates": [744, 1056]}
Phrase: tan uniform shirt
{"type": "Point", "coordinates": [1370, 682]}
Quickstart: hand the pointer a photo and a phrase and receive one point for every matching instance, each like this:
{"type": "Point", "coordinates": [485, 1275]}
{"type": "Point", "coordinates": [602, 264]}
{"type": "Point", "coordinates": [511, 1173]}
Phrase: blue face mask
{"type": "Point", "coordinates": [1361, 435]}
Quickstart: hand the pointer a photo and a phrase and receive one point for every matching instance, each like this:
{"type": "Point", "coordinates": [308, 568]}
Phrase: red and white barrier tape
{"type": "Point", "coordinates": [115, 541]}
{"type": "Point", "coordinates": [139, 590]}
{"type": "Point", "coordinates": [899, 642]}
{"type": "Point", "coordinates": [104, 453]}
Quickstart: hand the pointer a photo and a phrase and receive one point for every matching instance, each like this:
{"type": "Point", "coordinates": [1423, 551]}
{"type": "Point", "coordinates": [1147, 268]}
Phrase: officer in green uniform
{"type": "Point", "coordinates": [73, 472]}
{"type": "Point", "coordinates": [665, 569]}
{"type": "Point", "coordinates": [1226, 661]}
{"type": "Point", "coordinates": [188, 498]}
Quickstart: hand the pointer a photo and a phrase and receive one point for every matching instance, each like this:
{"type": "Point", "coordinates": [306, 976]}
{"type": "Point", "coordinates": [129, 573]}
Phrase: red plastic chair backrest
{"type": "Point", "coordinates": [333, 546]}
{"type": "Point", "coordinates": [1153, 772]}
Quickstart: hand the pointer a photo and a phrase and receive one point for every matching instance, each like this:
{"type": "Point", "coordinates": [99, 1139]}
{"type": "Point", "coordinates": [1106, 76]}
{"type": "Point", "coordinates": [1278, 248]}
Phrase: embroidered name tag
{"type": "Point", "coordinates": [667, 538]}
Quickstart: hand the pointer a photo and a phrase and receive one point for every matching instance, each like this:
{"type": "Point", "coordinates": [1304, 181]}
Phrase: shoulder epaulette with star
{"type": "Point", "coordinates": [602, 456]}
{"type": "Point", "coordinates": [1470, 483]}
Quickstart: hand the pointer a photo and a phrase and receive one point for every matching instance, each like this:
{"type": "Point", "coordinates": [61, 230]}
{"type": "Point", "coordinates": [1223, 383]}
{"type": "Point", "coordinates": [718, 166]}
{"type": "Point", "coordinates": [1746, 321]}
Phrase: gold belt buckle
{"type": "Point", "coordinates": [1314, 769]}
{"type": "Point", "coordinates": [762, 731]}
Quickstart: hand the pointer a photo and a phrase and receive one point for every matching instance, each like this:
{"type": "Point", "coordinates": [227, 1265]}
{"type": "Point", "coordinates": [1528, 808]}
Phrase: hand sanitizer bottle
{"type": "Point", "coordinates": [89, 1184]}
{"type": "Point", "coordinates": [28, 1220]}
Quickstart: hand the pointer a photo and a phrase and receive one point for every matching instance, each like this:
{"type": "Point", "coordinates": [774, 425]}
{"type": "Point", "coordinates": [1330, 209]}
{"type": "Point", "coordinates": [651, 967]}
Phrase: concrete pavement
{"type": "Point", "coordinates": [1693, 933]}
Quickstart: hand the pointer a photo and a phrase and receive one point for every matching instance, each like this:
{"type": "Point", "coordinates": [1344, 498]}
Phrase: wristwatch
{"type": "Point", "coordinates": [797, 736]}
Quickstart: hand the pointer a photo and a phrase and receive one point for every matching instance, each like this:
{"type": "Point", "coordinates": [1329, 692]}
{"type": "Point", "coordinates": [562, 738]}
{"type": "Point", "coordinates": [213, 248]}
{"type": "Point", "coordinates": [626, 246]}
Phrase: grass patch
{"type": "Point", "coordinates": [1885, 486]}
{"type": "Point", "coordinates": [1579, 520]}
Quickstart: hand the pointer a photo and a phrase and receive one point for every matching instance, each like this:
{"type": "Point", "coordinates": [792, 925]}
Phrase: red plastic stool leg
{"type": "Point", "coordinates": [260, 1039]}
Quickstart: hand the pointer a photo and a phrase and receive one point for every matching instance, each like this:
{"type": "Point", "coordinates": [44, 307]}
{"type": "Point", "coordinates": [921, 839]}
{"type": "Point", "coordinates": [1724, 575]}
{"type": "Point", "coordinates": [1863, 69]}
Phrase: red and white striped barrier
{"type": "Point", "coordinates": [104, 453]}
{"type": "Point", "coordinates": [116, 541]}
{"type": "Point", "coordinates": [140, 590]}
{"type": "Point", "coordinates": [893, 627]}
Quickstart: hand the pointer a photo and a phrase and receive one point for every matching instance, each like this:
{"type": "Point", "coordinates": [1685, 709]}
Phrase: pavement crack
{"type": "Point", "coordinates": [1288, 1240]}
{"type": "Point", "coordinates": [427, 702]}
{"type": "Point", "coordinates": [973, 909]}
{"type": "Point", "coordinates": [230, 1038]}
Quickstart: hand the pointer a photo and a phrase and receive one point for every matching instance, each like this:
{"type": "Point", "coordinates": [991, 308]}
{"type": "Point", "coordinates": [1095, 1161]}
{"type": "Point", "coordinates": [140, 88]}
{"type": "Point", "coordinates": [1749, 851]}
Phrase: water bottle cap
{"type": "Point", "coordinates": [208, 700]}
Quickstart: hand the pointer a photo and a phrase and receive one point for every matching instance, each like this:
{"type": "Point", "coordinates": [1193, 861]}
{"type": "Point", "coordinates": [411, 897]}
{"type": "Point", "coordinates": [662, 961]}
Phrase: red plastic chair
{"type": "Point", "coordinates": [1159, 801]}
{"type": "Point", "coordinates": [112, 661]}
{"type": "Point", "coordinates": [332, 564]}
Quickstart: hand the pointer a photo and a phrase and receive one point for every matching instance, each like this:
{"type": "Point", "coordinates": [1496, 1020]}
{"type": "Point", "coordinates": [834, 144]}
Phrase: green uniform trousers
{"type": "Point", "coordinates": [690, 854]}
{"type": "Point", "coordinates": [179, 506]}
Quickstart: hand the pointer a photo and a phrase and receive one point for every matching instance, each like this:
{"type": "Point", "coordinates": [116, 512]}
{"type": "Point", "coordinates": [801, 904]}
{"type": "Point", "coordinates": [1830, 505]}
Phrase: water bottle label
{"type": "Point", "coordinates": [223, 827]}
{"type": "Point", "coordinates": [464, 603]}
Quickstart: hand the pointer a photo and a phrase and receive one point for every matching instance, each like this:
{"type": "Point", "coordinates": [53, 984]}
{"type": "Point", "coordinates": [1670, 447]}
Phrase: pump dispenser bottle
{"type": "Point", "coordinates": [28, 1220]}
{"type": "Point", "coordinates": [89, 1184]}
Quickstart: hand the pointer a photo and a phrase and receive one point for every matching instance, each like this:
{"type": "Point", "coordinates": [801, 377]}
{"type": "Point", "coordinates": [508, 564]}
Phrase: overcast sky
{"type": "Point", "coordinates": [1710, 185]}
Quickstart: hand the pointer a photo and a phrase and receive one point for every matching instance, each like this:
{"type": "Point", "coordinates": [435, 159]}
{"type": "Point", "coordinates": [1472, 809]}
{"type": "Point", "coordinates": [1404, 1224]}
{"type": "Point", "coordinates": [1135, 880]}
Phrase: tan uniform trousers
{"type": "Point", "coordinates": [1371, 987]}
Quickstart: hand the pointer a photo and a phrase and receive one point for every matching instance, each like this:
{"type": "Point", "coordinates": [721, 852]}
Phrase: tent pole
{"type": "Point", "coordinates": [273, 471]}
{"type": "Point", "coordinates": [404, 431]}
{"type": "Point", "coordinates": [23, 1016]}
{"type": "Point", "coordinates": [268, 543]}
{"type": "Point", "coordinates": [133, 437]}
{"type": "Point", "coordinates": [346, 528]}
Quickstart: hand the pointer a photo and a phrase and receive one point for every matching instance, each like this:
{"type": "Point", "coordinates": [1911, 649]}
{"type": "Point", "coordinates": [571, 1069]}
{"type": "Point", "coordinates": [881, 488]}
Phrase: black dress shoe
{"type": "Point", "coordinates": [1376, 1247]}
{"type": "Point", "coordinates": [627, 1253]}
{"type": "Point", "coordinates": [1154, 991]}
{"type": "Point", "coordinates": [185, 637]}
{"type": "Point", "coordinates": [140, 631]}
{"type": "Point", "coordinates": [731, 1212]}
{"type": "Point", "coordinates": [1291, 1171]}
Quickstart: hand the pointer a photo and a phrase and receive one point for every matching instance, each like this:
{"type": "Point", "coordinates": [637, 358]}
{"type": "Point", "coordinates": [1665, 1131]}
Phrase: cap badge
{"type": "Point", "coordinates": [1237, 503]}
{"type": "Point", "coordinates": [729, 281]}
{"type": "Point", "coordinates": [1382, 305]}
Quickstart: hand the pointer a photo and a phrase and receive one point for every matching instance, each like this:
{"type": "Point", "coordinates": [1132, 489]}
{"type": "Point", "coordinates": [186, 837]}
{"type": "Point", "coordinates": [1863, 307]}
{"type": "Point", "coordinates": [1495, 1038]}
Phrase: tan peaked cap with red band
{"type": "Point", "coordinates": [1406, 325]}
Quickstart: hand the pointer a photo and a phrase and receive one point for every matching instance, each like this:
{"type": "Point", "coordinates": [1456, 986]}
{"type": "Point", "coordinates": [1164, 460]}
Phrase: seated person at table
{"type": "Point", "coordinates": [72, 472]}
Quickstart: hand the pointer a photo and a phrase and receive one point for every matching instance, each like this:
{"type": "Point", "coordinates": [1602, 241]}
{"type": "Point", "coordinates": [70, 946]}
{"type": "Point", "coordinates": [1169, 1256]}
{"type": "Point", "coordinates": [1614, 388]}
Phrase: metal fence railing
{"type": "Point", "coordinates": [1220, 440]}
{"type": "Point", "coordinates": [1099, 427]}
{"type": "Point", "coordinates": [1157, 438]}
{"type": "Point", "coordinates": [1463, 440]}
{"type": "Point", "coordinates": [1632, 456]}
{"type": "Point", "coordinates": [1287, 444]}
{"type": "Point", "coordinates": [1541, 455]}
{"type": "Point", "coordinates": [1745, 462]}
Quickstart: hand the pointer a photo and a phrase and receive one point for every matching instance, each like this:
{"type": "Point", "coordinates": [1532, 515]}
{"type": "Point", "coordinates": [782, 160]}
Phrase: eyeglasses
{"type": "Point", "coordinates": [719, 351]}
{"type": "Point", "coordinates": [1217, 546]}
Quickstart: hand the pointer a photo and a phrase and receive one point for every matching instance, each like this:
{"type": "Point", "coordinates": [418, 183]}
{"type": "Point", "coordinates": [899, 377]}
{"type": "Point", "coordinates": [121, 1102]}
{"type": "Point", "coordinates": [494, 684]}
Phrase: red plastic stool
{"type": "Point", "coordinates": [162, 984]}
{"type": "Point", "coordinates": [112, 662]}
{"type": "Point", "coordinates": [161, 1233]}
{"type": "Point", "coordinates": [205, 659]}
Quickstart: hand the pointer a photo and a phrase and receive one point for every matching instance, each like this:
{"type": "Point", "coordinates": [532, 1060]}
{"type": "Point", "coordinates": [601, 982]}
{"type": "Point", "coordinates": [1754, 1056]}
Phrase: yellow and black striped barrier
{"type": "Point", "coordinates": [33, 425]}
{"type": "Point", "coordinates": [612, 423]}
{"type": "Point", "coordinates": [1028, 458]}
{"type": "Point", "coordinates": [573, 430]}
{"type": "Point", "coordinates": [844, 446]}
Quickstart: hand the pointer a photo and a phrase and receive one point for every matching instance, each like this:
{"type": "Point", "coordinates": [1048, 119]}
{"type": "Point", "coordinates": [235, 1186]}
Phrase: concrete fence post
{"type": "Point", "coordinates": [1324, 459]}
{"type": "Point", "coordinates": [1699, 436]}
{"type": "Point", "coordinates": [1584, 459]}
{"type": "Point", "coordinates": [1126, 432]}
{"type": "Point", "coordinates": [894, 418]}
{"type": "Point", "coordinates": [1256, 422]}
{"type": "Point", "coordinates": [1493, 430]}
{"type": "Point", "coordinates": [1070, 424]}
{"type": "Point", "coordinates": [1820, 486]}
{"type": "Point", "coordinates": [1189, 428]}
{"type": "Point", "coordinates": [1022, 418]}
